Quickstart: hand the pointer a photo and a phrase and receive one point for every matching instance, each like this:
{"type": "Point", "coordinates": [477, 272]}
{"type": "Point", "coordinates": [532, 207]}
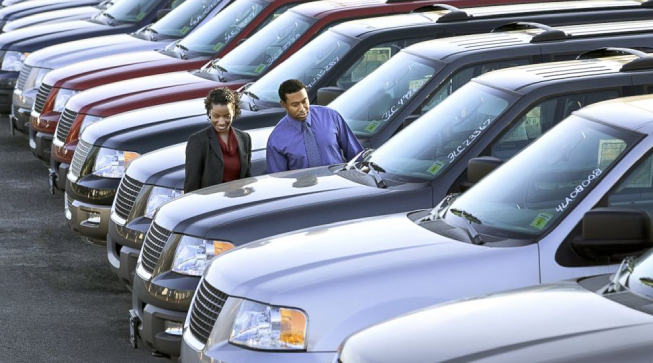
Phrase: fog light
{"type": "Point", "coordinates": [93, 217]}
{"type": "Point", "coordinates": [174, 328]}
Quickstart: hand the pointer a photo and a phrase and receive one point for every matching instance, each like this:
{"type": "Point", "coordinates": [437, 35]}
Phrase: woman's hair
{"type": "Point", "coordinates": [223, 96]}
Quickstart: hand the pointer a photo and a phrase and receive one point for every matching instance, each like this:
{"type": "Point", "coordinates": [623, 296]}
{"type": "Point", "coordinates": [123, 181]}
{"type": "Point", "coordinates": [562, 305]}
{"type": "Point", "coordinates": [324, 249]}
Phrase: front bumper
{"type": "Point", "coordinates": [6, 96]}
{"type": "Point", "coordinates": [91, 221]}
{"type": "Point", "coordinates": [41, 145]}
{"type": "Point", "coordinates": [19, 118]}
{"type": "Point", "coordinates": [58, 172]}
{"type": "Point", "coordinates": [224, 352]}
{"type": "Point", "coordinates": [124, 244]}
{"type": "Point", "coordinates": [166, 297]}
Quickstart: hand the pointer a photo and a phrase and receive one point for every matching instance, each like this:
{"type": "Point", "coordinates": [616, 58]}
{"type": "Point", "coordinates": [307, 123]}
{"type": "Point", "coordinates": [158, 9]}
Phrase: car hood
{"type": "Point", "coordinates": [49, 17]}
{"type": "Point", "coordinates": [37, 37]}
{"type": "Point", "coordinates": [36, 7]}
{"type": "Point", "coordinates": [61, 55]}
{"type": "Point", "coordinates": [165, 167]}
{"type": "Point", "coordinates": [122, 96]}
{"type": "Point", "coordinates": [351, 274]}
{"type": "Point", "coordinates": [553, 322]}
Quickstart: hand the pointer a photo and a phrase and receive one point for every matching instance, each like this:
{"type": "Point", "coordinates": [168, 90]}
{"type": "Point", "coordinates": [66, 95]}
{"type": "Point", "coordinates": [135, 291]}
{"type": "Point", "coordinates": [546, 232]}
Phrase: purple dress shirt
{"type": "Point", "coordinates": [335, 140]}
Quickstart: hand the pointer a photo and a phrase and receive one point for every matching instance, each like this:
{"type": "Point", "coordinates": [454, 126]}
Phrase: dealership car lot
{"type": "Point", "coordinates": [48, 302]}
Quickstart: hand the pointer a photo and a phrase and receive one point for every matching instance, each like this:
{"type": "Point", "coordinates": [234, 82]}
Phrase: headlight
{"type": "Point", "coordinates": [88, 120]}
{"type": "Point", "coordinates": [193, 254]}
{"type": "Point", "coordinates": [63, 95]}
{"type": "Point", "coordinates": [268, 327]}
{"type": "Point", "coordinates": [111, 163]}
{"type": "Point", "coordinates": [158, 196]}
{"type": "Point", "coordinates": [13, 61]}
{"type": "Point", "coordinates": [35, 78]}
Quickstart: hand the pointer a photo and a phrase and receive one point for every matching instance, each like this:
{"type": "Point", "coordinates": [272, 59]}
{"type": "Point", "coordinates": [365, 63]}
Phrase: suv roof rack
{"type": "Point", "coordinates": [549, 34]}
{"type": "Point", "coordinates": [644, 61]}
{"type": "Point", "coordinates": [454, 13]}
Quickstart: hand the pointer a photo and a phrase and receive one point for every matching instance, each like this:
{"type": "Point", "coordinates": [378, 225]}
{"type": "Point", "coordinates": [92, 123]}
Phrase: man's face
{"type": "Point", "coordinates": [296, 105]}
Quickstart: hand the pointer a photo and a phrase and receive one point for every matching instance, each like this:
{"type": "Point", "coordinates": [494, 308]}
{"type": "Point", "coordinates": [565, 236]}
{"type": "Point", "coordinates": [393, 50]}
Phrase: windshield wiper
{"type": "Point", "coordinates": [351, 164]}
{"type": "Point", "coordinates": [376, 170]}
{"type": "Point", "coordinates": [625, 269]}
{"type": "Point", "coordinates": [183, 50]}
{"type": "Point", "coordinates": [108, 16]}
{"type": "Point", "coordinates": [440, 209]}
{"type": "Point", "coordinates": [244, 90]}
{"type": "Point", "coordinates": [646, 281]}
{"type": "Point", "coordinates": [468, 218]}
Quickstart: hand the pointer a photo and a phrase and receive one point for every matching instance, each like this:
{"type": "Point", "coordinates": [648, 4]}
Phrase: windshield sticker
{"type": "Point", "coordinates": [462, 147]}
{"type": "Point", "coordinates": [579, 189]}
{"type": "Point", "coordinates": [541, 220]}
{"type": "Point", "coordinates": [281, 50]}
{"type": "Point", "coordinates": [372, 126]}
{"type": "Point", "coordinates": [184, 30]}
{"type": "Point", "coordinates": [140, 16]}
{"type": "Point", "coordinates": [218, 46]}
{"type": "Point", "coordinates": [413, 88]}
{"type": "Point", "coordinates": [609, 151]}
{"type": "Point", "coordinates": [436, 167]}
{"type": "Point", "coordinates": [322, 72]}
{"type": "Point", "coordinates": [260, 68]}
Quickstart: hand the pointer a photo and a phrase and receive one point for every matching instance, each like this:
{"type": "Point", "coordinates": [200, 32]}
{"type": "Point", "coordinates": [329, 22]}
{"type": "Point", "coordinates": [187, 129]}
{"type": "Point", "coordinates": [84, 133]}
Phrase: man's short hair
{"type": "Point", "coordinates": [290, 86]}
{"type": "Point", "coordinates": [223, 96]}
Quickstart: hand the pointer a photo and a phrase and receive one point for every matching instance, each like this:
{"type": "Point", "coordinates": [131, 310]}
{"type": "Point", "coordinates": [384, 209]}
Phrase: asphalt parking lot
{"type": "Point", "coordinates": [59, 301]}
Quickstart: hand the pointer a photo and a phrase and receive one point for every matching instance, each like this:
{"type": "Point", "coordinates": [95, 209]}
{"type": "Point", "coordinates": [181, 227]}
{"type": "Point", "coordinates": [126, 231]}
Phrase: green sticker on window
{"type": "Point", "coordinates": [435, 168]}
{"type": "Point", "coordinates": [372, 126]}
{"type": "Point", "coordinates": [218, 46]}
{"type": "Point", "coordinates": [541, 220]}
{"type": "Point", "coordinates": [260, 68]}
{"type": "Point", "coordinates": [140, 16]}
{"type": "Point", "coordinates": [184, 30]}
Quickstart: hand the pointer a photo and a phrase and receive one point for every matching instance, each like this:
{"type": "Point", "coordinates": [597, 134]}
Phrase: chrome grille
{"type": "Point", "coordinates": [205, 310]}
{"type": "Point", "coordinates": [81, 152]}
{"type": "Point", "coordinates": [41, 97]}
{"type": "Point", "coordinates": [126, 196]}
{"type": "Point", "coordinates": [155, 240]}
{"type": "Point", "coordinates": [22, 76]}
{"type": "Point", "coordinates": [65, 123]}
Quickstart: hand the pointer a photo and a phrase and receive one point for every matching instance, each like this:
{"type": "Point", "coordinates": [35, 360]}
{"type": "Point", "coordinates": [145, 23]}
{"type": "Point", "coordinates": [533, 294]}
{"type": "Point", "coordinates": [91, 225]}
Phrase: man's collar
{"type": "Point", "coordinates": [298, 124]}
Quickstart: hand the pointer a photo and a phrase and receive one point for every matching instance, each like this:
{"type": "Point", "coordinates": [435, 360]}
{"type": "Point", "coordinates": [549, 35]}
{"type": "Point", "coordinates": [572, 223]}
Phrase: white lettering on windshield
{"type": "Point", "coordinates": [462, 147]}
{"type": "Point", "coordinates": [392, 110]}
{"type": "Point", "coordinates": [195, 20]}
{"type": "Point", "coordinates": [239, 27]}
{"type": "Point", "coordinates": [322, 72]}
{"type": "Point", "coordinates": [279, 52]}
{"type": "Point", "coordinates": [579, 189]}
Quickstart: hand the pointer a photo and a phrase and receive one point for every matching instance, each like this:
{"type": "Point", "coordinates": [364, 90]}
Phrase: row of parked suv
{"type": "Point", "coordinates": [410, 222]}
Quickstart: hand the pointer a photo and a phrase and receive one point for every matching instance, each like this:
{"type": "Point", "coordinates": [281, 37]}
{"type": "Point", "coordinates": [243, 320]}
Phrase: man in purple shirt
{"type": "Point", "coordinates": [308, 136]}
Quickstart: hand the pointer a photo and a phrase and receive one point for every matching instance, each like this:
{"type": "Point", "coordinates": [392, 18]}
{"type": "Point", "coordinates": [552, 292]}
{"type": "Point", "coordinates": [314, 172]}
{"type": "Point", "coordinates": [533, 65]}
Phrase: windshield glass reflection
{"type": "Point", "coordinates": [308, 65]}
{"type": "Point", "coordinates": [436, 140]}
{"type": "Point", "coordinates": [224, 27]}
{"type": "Point", "coordinates": [386, 91]}
{"type": "Point", "coordinates": [526, 196]}
{"type": "Point", "coordinates": [185, 17]}
{"type": "Point", "coordinates": [258, 53]}
{"type": "Point", "coordinates": [130, 11]}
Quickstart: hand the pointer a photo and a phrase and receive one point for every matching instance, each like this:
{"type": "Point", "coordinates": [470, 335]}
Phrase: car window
{"type": "Point", "coordinates": [636, 190]}
{"type": "Point", "coordinates": [463, 76]}
{"type": "Point", "coordinates": [541, 118]}
{"type": "Point", "coordinates": [371, 60]}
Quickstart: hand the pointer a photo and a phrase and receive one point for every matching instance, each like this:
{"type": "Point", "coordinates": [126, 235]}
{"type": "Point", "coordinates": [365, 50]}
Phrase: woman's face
{"type": "Point", "coordinates": [221, 117]}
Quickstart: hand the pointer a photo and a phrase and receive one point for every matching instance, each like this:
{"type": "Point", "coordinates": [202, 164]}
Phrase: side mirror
{"type": "Point", "coordinates": [410, 119]}
{"type": "Point", "coordinates": [614, 231]}
{"type": "Point", "coordinates": [161, 13]}
{"type": "Point", "coordinates": [327, 94]}
{"type": "Point", "coordinates": [478, 168]}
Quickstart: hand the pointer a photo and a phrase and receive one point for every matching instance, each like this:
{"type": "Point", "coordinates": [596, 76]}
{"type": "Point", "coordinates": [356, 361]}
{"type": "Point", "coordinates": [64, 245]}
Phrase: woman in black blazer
{"type": "Point", "coordinates": [219, 153]}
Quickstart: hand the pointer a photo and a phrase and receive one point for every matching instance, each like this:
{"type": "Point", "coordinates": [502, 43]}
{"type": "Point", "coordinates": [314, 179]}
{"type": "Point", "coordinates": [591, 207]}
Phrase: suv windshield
{"type": "Point", "coordinates": [129, 11]}
{"type": "Point", "coordinates": [385, 92]}
{"type": "Point", "coordinates": [178, 23]}
{"type": "Point", "coordinates": [260, 51]}
{"type": "Point", "coordinates": [527, 195]}
{"type": "Point", "coordinates": [432, 143]}
{"type": "Point", "coordinates": [224, 27]}
{"type": "Point", "coordinates": [641, 279]}
{"type": "Point", "coordinates": [308, 65]}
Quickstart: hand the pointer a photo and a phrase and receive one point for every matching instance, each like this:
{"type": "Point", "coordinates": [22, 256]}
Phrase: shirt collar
{"type": "Point", "coordinates": [298, 124]}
